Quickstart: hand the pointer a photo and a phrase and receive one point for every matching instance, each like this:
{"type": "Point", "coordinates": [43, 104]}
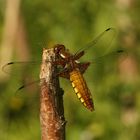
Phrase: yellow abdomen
{"type": "Point", "coordinates": [80, 87]}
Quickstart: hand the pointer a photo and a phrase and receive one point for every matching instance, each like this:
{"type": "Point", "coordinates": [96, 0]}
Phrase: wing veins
{"type": "Point", "coordinates": [104, 57]}
{"type": "Point", "coordinates": [95, 41]}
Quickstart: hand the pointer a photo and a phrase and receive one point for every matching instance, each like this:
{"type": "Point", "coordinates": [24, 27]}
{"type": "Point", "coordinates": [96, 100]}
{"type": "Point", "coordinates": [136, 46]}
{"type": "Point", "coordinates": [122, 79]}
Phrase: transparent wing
{"type": "Point", "coordinates": [25, 73]}
{"type": "Point", "coordinates": [100, 46]}
{"type": "Point", "coordinates": [110, 57]}
{"type": "Point", "coordinates": [22, 75]}
{"type": "Point", "coordinates": [15, 66]}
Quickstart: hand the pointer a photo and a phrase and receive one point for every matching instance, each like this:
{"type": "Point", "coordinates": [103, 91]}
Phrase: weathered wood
{"type": "Point", "coordinates": [51, 102]}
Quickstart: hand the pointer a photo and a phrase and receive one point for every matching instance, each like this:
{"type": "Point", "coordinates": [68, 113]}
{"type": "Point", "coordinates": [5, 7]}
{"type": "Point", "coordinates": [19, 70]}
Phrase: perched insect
{"type": "Point", "coordinates": [73, 69]}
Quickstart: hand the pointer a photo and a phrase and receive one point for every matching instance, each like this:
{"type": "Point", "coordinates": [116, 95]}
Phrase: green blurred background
{"type": "Point", "coordinates": [28, 26]}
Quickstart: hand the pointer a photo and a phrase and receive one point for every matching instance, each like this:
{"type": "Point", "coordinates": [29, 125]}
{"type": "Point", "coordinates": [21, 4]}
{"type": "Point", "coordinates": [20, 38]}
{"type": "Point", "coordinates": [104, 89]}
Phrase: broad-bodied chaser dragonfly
{"type": "Point", "coordinates": [73, 69]}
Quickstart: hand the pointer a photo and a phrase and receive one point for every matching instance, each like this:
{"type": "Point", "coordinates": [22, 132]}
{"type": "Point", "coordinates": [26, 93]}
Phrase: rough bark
{"type": "Point", "coordinates": [51, 108]}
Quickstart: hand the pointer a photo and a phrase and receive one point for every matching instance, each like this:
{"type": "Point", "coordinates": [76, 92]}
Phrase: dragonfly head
{"type": "Point", "coordinates": [62, 51]}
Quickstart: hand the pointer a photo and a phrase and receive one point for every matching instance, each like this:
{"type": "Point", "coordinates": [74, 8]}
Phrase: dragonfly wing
{"type": "Point", "coordinates": [26, 73]}
{"type": "Point", "coordinates": [23, 75]}
{"type": "Point", "coordinates": [100, 46]}
{"type": "Point", "coordinates": [111, 56]}
{"type": "Point", "coordinates": [16, 66]}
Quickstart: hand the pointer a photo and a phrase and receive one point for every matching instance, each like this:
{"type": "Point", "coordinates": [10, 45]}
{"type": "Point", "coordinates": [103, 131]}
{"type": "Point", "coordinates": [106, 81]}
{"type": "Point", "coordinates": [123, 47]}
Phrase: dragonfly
{"type": "Point", "coordinates": [73, 69]}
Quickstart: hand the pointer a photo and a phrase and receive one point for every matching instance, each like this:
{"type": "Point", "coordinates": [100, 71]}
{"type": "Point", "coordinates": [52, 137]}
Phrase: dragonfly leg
{"type": "Point", "coordinates": [64, 73]}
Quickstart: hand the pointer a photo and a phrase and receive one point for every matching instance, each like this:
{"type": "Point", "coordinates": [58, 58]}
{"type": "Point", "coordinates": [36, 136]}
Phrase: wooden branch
{"type": "Point", "coordinates": [51, 109]}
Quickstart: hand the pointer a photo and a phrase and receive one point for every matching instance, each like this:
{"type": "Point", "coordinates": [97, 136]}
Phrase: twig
{"type": "Point", "coordinates": [51, 107]}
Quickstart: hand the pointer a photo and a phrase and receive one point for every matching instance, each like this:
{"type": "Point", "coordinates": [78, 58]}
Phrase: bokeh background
{"type": "Point", "coordinates": [28, 26]}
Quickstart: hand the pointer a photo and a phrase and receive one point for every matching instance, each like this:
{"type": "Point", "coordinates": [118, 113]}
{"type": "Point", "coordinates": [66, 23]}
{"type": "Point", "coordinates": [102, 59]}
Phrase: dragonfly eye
{"type": "Point", "coordinates": [59, 47]}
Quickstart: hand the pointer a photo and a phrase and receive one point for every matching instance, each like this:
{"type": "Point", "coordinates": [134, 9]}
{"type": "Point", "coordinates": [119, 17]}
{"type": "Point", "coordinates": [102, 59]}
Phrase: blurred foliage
{"type": "Point", "coordinates": [75, 23]}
